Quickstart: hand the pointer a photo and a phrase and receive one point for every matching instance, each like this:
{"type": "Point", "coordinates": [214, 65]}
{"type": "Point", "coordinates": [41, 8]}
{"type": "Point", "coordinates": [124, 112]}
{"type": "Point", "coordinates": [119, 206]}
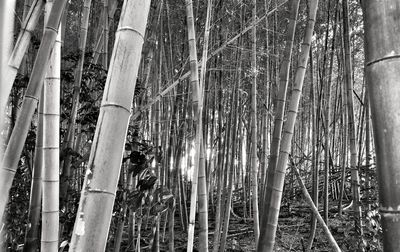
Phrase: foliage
{"type": "Point", "coordinates": [373, 229]}
{"type": "Point", "coordinates": [17, 208]}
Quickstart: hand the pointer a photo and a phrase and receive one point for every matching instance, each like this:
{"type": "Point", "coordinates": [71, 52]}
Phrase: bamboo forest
{"type": "Point", "coordinates": [199, 125]}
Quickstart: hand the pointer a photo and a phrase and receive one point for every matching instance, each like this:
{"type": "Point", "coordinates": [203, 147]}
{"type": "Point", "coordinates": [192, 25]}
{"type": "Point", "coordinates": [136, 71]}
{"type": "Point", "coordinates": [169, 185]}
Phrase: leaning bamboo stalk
{"type": "Point", "coordinates": [283, 84]}
{"type": "Point", "coordinates": [18, 53]}
{"type": "Point", "coordinates": [274, 195]}
{"type": "Point", "coordinates": [51, 148]}
{"type": "Point", "coordinates": [314, 209]}
{"type": "Point", "coordinates": [31, 243]}
{"type": "Point", "coordinates": [12, 154]}
{"type": "Point", "coordinates": [101, 179]}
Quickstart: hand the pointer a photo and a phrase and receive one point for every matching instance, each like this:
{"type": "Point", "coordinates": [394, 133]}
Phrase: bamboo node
{"type": "Point", "coordinates": [127, 28]}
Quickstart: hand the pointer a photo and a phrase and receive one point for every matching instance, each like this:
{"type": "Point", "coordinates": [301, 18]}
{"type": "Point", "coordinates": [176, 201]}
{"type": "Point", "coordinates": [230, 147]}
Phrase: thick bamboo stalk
{"type": "Point", "coordinates": [382, 64]}
{"type": "Point", "coordinates": [275, 187]}
{"type": "Point", "coordinates": [11, 157]}
{"type": "Point", "coordinates": [6, 36]}
{"type": "Point", "coordinates": [100, 185]}
{"type": "Point", "coordinates": [283, 84]}
{"type": "Point", "coordinates": [6, 45]}
{"type": "Point", "coordinates": [51, 149]}
{"type": "Point", "coordinates": [31, 242]}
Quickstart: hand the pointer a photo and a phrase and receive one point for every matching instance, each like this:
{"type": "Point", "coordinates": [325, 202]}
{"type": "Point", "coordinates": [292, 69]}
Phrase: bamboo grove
{"type": "Point", "coordinates": [138, 125]}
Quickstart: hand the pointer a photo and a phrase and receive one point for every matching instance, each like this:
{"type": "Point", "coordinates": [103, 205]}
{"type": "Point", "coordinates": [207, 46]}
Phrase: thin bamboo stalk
{"type": "Point", "coordinates": [69, 140]}
{"type": "Point", "coordinates": [355, 181]}
{"type": "Point", "coordinates": [202, 190]}
{"type": "Point", "coordinates": [253, 115]}
{"type": "Point", "coordinates": [328, 114]}
{"type": "Point", "coordinates": [105, 34]}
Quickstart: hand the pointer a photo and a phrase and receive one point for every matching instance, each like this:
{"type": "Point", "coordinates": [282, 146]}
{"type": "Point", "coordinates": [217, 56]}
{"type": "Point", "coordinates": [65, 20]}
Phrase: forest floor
{"type": "Point", "coordinates": [292, 233]}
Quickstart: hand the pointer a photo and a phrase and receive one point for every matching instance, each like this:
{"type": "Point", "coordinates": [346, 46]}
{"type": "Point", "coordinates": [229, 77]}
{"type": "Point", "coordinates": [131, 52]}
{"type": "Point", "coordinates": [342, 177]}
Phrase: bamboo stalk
{"type": "Point", "coordinates": [6, 36]}
{"type": "Point", "coordinates": [253, 115]}
{"type": "Point", "coordinates": [314, 209]}
{"type": "Point", "coordinates": [100, 185]}
{"type": "Point", "coordinates": [69, 139]}
{"type": "Point", "coordinates": [355, 181]}
{"type": "Point", "coordinates": [274, 195]}
{"type": "Point", "coordinates": [18, 53]}
{"type": "Point", "coordinates": [51, 149]}
{"type": "Point", "coordinates": [382, 75]}
{"type": "Point", "coordinates": [12, 155]}
{"type": "Point", "coordinates": [283, 84]}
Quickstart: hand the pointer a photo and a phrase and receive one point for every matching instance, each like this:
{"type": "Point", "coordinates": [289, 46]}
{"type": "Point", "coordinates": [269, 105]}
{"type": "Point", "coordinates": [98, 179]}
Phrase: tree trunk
{"type": "Point", "coordinates": [92, 222]}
